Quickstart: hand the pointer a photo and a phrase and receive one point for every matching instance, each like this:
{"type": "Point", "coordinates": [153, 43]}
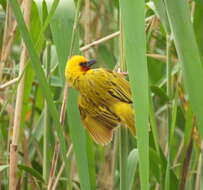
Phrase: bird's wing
{"type": "Point", "coordinates": [119, 87]}
{"type": "Point", "coordinates": [97, 121]}
{"type": "Point", "coordinates": [111, 83]}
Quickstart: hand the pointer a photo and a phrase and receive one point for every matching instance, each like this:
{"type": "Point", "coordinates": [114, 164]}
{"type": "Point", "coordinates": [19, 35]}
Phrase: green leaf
{"type": "Point", "coordinates": [198, 24]}
{"type": "Point", "coordinates": [78, 136]}
{"type": "Point", "coordinates": [160, 7]}
{"type": "Point", "coordinates": [133, 20]}
{"type": "Point", "coordinates": [31, 171]}
{"type": "Point", "coordinates": [131, 167]}
{"type": "Point", "coordinates": [62, 27]}
{"type": "Point", "coordinates": [3, 167]}
{"type": "Point", "coordinates": [160, 93]}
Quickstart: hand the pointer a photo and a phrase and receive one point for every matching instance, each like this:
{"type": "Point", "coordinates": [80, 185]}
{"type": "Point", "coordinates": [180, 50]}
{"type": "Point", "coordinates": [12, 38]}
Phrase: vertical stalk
{"type": "Point", "coordinates": [123, 136]}
{"type": "Point", "coordinates": [169, 94]}
{"type": "Point", "coordinates": [87, 25]}
{"type": "Point", "coordinates": [74, 32]}
{"type": "Point", "coordinates": [133, 17]}
{"type": "Point", "coordinates": [154, 128]}
{"type": "Point", "coordinates": [114, 157]}
{"type": "Point", "coordinates": [18, 108]}
{"type": "Point", "coordinates": [46, 121]}
{"type": "Point", "coordinates": [123, 157]}
{"type": "Point", "coordinates": [113, 162]}
{"type": "Point", "coordinates": [186, 164]}
{"type": "Point", "coordinates": [75, 24]}
{"type": "Point", "coordinates": [8, 37]}
{"type": "Point", "coordinates": [199, 171]}
{"type": "Point", "coordinates": [65, 95]}
{"type": "Point", "coordinates": [168, 65]}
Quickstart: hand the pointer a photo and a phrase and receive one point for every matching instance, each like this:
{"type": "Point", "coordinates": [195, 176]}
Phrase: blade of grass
{"type": "Point", "coordinates": [169, 94]}
{"type": "Point", "coordinates": [46, 163]}
{"type": "Point", "coordinates": [79, 140]}
{"type": "Point", "coordinates": [159, 4]}
{"type": "Point", "coordinates": [155, 134]}
{"type": "Point", "coordinates": [32, 172]}
{"type": "Point", "coordinates": [123, 136]}
{"type": "Point", "coordinates": [181, 26]}
{"type": "Point", "coordinates": [123, 151]}
{"type": "Point", "coordinates": [133, 14]}
{"type": "Point", "coordinates": [91, 162]}
{"type": "Point", "coordinates": [131, 168]}
{"type": "Point", "coordinates": [62, 29]}
{"type": "Point", "coordinates": [198, 24]}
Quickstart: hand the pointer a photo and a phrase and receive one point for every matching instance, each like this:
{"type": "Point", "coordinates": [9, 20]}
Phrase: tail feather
{"type": "Point", "coordinates": [126, 113]}
{"type": "Point", "coordinates": [100, 133]}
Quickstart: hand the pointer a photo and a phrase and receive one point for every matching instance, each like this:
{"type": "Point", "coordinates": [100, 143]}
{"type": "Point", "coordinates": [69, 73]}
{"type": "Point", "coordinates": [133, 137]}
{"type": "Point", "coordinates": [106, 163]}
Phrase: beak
{"type": "Point", "coordinates": [90, 63]}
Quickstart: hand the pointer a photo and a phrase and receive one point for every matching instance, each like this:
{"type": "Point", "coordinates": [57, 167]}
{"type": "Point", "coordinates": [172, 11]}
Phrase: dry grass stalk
{"type": "Point", "coordinates": [32, 180]}
{"type": "Point", "coordinates": [161, 57]}
{"type": "Point", "coordinates": [180, 148]}
{"type": "Point", "coordinates": [13, 81]}
{"type": "Point", "coordinates": [199, 170]}
{"type": "Point", "coordinates": [106, 38]}
{"type": "Point", "coordinates": [87, 25]}
{"type": "Point", "coordinates": [97, 42]}
{"type": "Point", "coordinates": [115, 34]}
{"type": "Point", "coordinates": [9, 34]}
{"type": "Point", "coordinates": [18, 108]}
{"type": "Point", "coordinates": [8, 107]}
{"type": "Point", "coordinates": [9, 83]}
{"type": "Point", "coordinates": [186, 164]}
{"type": "Point", "coordinates": [13, 166]}
{"type": "Point", "coordinates": [62, 168]}
{"type": "Point", "coordinates": [63, 106]}
{"type": "Point", "coordinates": [53, 167]}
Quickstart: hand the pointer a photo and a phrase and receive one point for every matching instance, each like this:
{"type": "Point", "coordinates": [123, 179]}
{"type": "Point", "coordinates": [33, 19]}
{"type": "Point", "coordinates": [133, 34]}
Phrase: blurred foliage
{"type": "Point", "coordinates": [51, 31]}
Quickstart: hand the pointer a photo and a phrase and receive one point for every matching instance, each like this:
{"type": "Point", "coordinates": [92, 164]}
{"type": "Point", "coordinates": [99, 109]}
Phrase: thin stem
{"type": "Point", "coordinates": [87, 25]}
{"type": "Point", "coordinates": [113, 164]}
{"type": "Point", "coordinates": [76, 20]}
{"type": "Point", "coordinates": [123, 140]}
{"type": "Point", "coordinates": [53, 167]}
{"type": "Point", "coordinates": [62, 167]}
{"type": "Point", "coordinates": [199, 171]}
{"type": "Point", "coordinates": [169, 93]}
{"type": "Point", "coordinates": [154, 128]}
{"type": "Point", "coordinates": [168, 65]}
{"type": "Point", "coordinates": [65, 95]}
{"type": "Point", "coordinates": [123, 146]}
{"type": "Point", "coordinates": [46, 122]}
{"type": "Point", "coordinates": [8, 38]}
{"type": "Point", "coordinates": [186, 164]}
{"type": "Point", "coordinates": [102, 40]}
{"type": "Point", "coordinates": [18, 108]}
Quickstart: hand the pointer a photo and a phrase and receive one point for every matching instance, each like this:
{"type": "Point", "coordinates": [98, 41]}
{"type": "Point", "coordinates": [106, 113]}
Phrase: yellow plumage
{"type": "Point", "coordinates": [104, 101]}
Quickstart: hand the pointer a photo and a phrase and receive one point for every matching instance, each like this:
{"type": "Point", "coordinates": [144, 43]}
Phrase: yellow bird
{"type": "Point", "coordinates": [104, 101]}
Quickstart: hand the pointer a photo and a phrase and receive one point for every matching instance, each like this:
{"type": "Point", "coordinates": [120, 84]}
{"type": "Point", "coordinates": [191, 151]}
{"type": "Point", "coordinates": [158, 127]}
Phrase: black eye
{"type": "Point", "coordinates": [82, 63]}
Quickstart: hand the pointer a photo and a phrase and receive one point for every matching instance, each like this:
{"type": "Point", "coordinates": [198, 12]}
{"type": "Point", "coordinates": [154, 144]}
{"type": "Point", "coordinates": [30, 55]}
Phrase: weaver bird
{"type": "Point", "coordinates": [104, 101]}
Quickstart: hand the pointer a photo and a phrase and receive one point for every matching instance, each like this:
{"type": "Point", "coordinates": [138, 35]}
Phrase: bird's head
{"type": "Point", "coordinates": [76, 66]}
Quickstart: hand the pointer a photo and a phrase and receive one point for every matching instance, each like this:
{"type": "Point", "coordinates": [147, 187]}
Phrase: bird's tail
{"type": "Point", "coordinates": [126, 113]}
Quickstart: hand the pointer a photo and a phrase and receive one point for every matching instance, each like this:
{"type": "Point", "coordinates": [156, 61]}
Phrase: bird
{"type": "Point", "coordinates": [104, 101]}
